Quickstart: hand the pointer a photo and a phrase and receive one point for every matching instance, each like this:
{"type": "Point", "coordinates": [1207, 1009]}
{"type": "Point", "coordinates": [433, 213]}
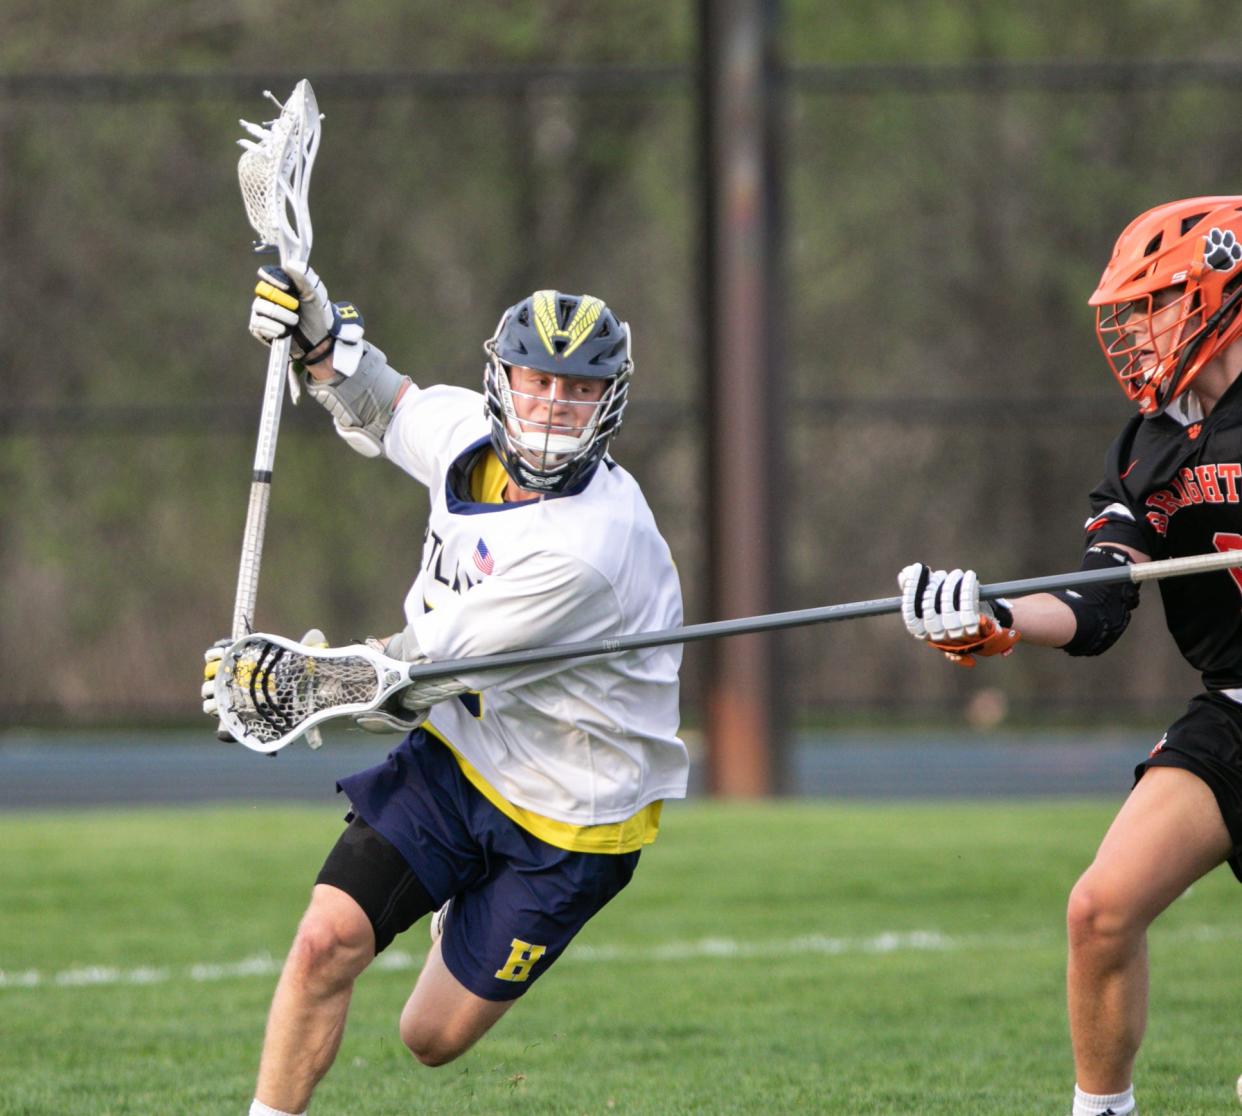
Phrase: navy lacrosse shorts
{"type": "Point", "coordinates": [517, 901]}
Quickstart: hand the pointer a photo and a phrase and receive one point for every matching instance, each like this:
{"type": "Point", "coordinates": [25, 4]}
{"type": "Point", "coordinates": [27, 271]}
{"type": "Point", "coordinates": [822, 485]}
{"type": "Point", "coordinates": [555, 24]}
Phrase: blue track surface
{"type": "Point", "coordinates": [53, 770]}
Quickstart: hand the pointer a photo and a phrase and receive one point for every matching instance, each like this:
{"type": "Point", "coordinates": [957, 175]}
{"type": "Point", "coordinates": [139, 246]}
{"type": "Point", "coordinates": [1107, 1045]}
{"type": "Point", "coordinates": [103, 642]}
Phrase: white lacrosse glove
{"type": "Point", "coordinates": [293, 302]}
{"type": "Point", "coordinates": [211, 666]}
{"type": "Point", "coordinates": [408, 708]}
{"type": "Point", "coordinates": [943, 608]}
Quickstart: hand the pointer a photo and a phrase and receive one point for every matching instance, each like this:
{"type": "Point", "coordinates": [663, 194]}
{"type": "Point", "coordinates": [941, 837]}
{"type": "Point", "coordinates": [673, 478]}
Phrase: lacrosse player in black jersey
{"type": "Point", "coordinates": [1168, 321]}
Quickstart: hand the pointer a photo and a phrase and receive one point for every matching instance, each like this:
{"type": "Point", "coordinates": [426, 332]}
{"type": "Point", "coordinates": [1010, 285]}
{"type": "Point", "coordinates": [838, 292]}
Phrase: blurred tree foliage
{"type": "Point", "coordinates": [949, 402]}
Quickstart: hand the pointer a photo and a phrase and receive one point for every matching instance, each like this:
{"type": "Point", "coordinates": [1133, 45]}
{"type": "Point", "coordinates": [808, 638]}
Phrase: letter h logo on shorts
{"type": "Point", "coordinates": [522, 958]}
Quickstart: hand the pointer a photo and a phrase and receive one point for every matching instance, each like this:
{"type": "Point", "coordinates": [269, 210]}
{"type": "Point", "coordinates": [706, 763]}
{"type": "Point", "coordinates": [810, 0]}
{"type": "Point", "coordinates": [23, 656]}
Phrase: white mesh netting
{"type": "Point", "coordinates": [260, 172]}
{"type": "Point", "coordinates": [270, 690]}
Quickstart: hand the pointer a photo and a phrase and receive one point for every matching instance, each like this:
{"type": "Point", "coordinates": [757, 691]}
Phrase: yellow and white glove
{"type": "Point", "coordinates": [943, 608]}
{"type": "Point", "coordinates": [293, 302]}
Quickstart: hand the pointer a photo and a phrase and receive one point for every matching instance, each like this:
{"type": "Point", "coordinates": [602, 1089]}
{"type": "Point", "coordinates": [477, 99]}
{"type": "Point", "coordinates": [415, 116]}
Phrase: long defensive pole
{"type": "Point", "coordinates": [826, 614]}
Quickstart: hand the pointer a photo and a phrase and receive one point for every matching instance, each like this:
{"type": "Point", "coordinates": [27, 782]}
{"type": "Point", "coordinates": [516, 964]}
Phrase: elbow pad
{"type": "Point", "coordinates": [361, 404]}
{"type": "Point", "coordinates": [1101, 611]}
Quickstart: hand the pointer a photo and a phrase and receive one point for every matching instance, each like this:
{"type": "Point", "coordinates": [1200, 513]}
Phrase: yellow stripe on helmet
{"type": "Point", "coordinates": [576, 330]}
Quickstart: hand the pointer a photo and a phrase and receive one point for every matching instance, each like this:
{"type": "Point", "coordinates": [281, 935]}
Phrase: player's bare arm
{"type": "Point", "coordinates": [1044, 619]}
{"type": "Point", "coordinates": [943, 608]}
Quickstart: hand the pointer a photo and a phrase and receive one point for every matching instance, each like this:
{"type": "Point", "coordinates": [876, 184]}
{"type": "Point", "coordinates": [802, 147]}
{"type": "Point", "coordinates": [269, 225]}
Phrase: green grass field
{"type": "Point", "coordinates": [781, 957]}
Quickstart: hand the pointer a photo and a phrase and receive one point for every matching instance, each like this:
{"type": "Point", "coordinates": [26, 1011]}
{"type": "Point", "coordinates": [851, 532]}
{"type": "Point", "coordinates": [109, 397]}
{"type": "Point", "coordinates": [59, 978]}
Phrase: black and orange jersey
{"type": "Point", "coordinates": [1170, 490]}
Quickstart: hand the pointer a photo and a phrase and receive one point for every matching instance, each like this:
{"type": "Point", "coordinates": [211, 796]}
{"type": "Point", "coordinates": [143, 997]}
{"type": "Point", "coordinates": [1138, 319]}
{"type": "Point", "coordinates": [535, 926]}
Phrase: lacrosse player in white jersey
{"type": "Point", "coordinates": [516, 808]}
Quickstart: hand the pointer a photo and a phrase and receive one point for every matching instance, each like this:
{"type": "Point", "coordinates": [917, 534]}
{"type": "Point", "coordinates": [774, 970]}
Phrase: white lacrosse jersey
{"type": "Point", "coordinates": [560, 747]}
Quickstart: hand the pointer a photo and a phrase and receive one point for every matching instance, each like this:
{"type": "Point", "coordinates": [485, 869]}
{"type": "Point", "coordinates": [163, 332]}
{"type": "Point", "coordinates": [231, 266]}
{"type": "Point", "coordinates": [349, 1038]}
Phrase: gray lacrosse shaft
{"type": "Point", "coordinates": [260, 491]}
{"type": "Point", "coordinates": [774, 621]}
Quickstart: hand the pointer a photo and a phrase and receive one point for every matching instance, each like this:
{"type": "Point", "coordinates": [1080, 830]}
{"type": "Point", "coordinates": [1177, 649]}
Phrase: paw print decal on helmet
{"type": "Point", "coordinates": [1221, 250]}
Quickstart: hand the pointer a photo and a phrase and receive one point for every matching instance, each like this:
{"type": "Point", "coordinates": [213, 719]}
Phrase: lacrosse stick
{"type": "Point", "coordinates": [270, 690]}
{"type": "Point", "coordinates": [274, 173]}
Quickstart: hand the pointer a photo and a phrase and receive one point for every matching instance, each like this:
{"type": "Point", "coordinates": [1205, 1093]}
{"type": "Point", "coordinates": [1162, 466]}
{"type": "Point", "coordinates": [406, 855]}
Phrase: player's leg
{"type": "Point", "coordinates": [442, 1018]}
{"type": "Point", "coordinates": [1183, 818]}
{"type": "Point", "coordinates": [365, 894]}
{"type": "Point", "coordinates": [334, 943]}
{"type": "Point", "coordinates": [517, 901]}
{"type": "Point", "coordinates": [1168, 834]}
{"type": "Point", "coordinates": [501, 935]}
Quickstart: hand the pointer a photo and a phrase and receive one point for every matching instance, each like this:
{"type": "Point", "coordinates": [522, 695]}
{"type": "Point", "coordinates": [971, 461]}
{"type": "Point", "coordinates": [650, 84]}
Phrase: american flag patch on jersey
{"type": "Point", "coordinates": [483, 557]}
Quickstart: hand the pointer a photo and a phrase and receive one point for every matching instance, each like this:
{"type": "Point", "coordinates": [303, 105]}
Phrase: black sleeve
{"type": "Point", "coordinates": [1117, 516]}
{"type": "Point", "coordinates": [1102, 612]}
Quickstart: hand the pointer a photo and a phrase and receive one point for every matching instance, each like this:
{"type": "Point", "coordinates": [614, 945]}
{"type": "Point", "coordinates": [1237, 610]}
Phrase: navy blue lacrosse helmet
{"type": "Point", "coordinates": [560, 335]}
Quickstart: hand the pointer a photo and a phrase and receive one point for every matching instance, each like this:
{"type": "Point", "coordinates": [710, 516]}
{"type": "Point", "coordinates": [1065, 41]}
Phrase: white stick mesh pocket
{"type": "Point", "coordinates": [268, 692]}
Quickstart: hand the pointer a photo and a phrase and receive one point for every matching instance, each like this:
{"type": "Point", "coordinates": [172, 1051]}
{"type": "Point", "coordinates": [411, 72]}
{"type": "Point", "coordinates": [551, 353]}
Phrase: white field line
{"type": "Point", "coordinates": [395, 960]}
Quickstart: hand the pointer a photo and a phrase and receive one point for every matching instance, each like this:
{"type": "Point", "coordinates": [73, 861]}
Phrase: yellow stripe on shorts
{"type": "Point", "coordinates": [612, 838]}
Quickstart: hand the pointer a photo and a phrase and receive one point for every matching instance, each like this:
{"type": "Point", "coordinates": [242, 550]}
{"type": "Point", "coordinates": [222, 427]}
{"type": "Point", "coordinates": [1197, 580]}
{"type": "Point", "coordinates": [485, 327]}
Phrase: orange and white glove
{"type": "Point", "coordinates": [943, 608]}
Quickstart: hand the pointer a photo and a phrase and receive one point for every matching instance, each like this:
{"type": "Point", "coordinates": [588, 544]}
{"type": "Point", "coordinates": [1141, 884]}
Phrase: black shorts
{"type": "Point", "coordinates": [1207, 741]}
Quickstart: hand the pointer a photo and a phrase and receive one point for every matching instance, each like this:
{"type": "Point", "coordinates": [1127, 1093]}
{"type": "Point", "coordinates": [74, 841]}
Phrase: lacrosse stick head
{"type": "Point", "coordinates": [271, 690]}
{"type": "Point", "coordinates": [274, 172]}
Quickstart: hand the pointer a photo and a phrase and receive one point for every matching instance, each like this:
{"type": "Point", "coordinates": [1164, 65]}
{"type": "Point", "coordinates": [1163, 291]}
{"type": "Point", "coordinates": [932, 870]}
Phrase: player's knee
{"type": "Point", "coordinates": [330, 949]}
{"type": "Point", "coordinates": [1096, 918]}
{"type": "Point", "coordinates": [431, 1046]}
{"type": "Point", "coordinates": [432, 1055]}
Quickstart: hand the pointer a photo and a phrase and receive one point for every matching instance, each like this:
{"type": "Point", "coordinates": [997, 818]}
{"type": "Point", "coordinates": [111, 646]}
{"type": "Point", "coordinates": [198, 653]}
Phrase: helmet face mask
{"type": "Point", "coordinates": [1142, 339]}
{"type": "Point", "coordinates": [1168, 301]}
{"type": "Point", "coordinates": [547, 440]}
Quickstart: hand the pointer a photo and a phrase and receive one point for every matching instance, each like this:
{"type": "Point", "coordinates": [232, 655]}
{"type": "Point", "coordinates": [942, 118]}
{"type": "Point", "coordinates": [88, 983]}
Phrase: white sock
{"type": "Point", "coordinates": [1089, 1104]}
{"type": "Point", "coordinates": [258, 1108]}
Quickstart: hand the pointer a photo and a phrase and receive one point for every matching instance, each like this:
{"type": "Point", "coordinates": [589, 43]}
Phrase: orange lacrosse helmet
{"type": "Point", "coordinates": [1168, 300]}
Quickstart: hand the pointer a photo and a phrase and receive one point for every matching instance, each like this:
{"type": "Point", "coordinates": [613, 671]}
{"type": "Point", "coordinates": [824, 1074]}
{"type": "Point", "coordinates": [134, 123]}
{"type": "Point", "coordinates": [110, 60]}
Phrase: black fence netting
{"type": "Point", "coordinates": [947, 400]}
